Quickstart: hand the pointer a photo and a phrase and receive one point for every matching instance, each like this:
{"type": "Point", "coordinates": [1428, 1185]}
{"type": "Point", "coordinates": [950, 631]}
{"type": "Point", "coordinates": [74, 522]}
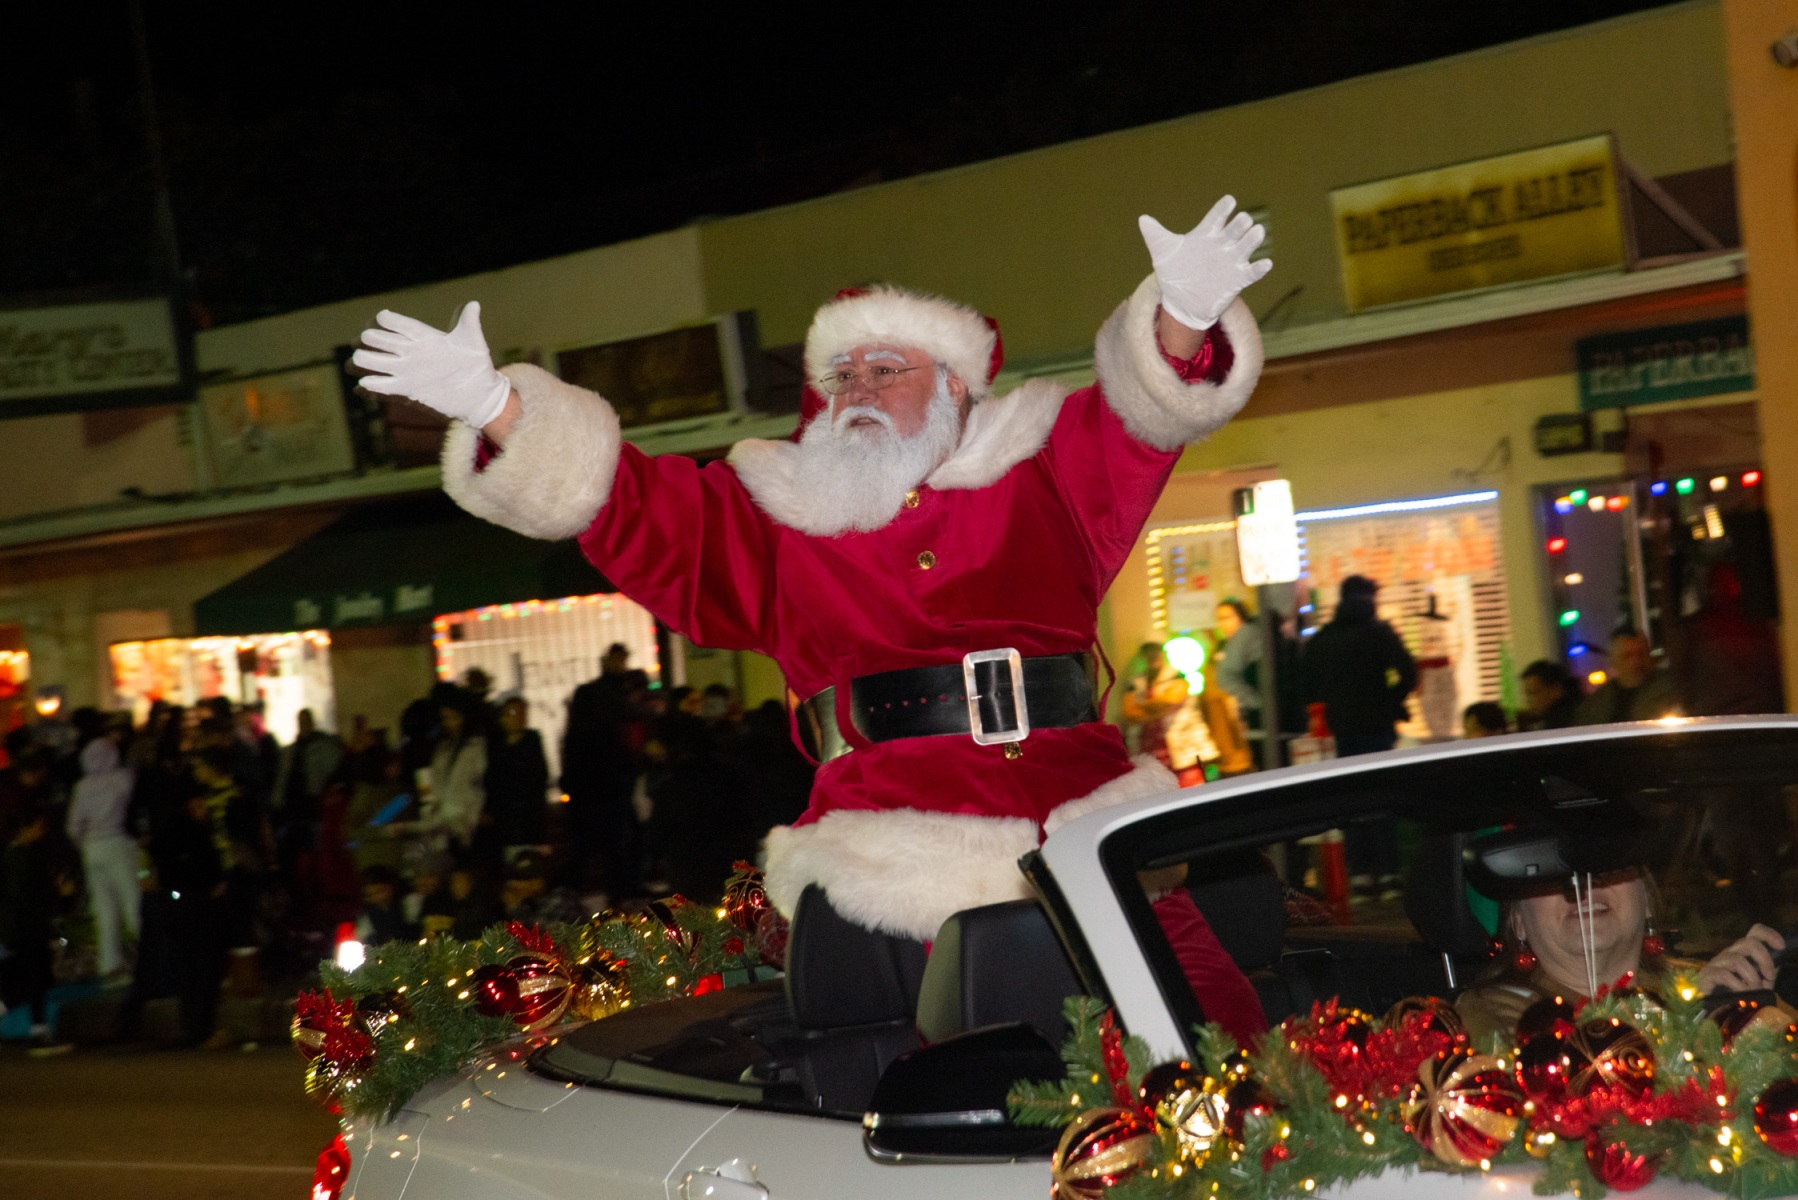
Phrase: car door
{"type": "Point", "coordinates": [793, 1156]}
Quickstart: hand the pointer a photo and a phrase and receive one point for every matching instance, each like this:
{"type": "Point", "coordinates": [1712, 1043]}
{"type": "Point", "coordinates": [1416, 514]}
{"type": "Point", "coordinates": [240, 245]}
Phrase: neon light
{"type": "Point", "coordinates": [1396, 506]}
{"type": "Point", "coordinates": [1684, 487]}
{"type": "Point", "coordinates": [1556, 545]}
{"type": "Point", "coordinates": [1616, 503]}
{"type": "Point", "coordinates": [1187, 656]}
{"type": "Point", "coordinates": [1719, 482]}
{"type": "Point", "coordinates": [1658, 488]}
{"type": "Point", "coordinates": [1577, 649]}
{"type": "Point", "coordinates": [1597, 678]}
{"type": "Point", "coordinates": [1750, 478]}
{"type": "Point", "coordinates": [1570, 617]}
{"type": "Point", "coordinates": [1596, 504]}
{"type": "Point", "coordinates": [1578, 495]}
{"type": "Point", "coordinates": [1563, 505]}
{"type": "Point", "coordinates": [1574, 579]}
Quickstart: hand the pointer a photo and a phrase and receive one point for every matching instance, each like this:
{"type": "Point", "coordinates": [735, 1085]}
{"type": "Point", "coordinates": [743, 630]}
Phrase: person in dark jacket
{"type": "Point", "coordinates": [1359, 669]}
{"type": "Point", "coordinates": [1551, 697]}
{"type": "Point", "coordinates": [517, 779]}
{"type": "Point", "coordinates": [32, 888]}
{"type": "Point", "coordinates": [190, 871]}
{"type": "Point", "coordinates": [599, 773]}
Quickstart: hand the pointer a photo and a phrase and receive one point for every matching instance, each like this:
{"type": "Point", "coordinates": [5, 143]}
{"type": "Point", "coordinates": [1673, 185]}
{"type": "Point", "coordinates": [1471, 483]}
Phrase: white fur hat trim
{"type": "Point", "coordinates": [953, 334]}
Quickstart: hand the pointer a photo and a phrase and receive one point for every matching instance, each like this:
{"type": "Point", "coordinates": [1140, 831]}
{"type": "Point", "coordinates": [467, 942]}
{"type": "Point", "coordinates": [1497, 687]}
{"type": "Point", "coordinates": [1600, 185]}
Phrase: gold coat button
{"type": "Point", "coordinates": [927, 560]}
{"type": "Point", "coordinates": [912, 500]}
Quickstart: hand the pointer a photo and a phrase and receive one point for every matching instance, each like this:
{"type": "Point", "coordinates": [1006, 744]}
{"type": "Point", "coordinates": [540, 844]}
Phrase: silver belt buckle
{"type": "Point", "coordinates": [976, 728]}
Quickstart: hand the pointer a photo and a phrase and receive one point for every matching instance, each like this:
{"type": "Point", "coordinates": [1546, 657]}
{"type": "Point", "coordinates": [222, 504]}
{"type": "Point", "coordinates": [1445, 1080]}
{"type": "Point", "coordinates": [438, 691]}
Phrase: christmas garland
{"type": "Point", "coordinates": [416, 1011]}
{"type": "Point", "coordinates": [1603, 1095]}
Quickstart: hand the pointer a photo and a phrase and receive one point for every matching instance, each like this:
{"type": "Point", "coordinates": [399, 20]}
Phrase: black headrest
{"type": "Point", "coordinates": [841, 975]}
{"type": "Point", "coordinates": [1244, 902]}
{"type": "Point", "coordinates": [993, 965]}
{"type": "Point", "coordinates": [1436, 897]}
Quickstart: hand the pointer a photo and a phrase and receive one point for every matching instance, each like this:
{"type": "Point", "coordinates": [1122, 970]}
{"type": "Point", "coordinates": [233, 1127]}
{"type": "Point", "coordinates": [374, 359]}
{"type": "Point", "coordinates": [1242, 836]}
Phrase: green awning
{"type": "Point", "coordinates": [399, 560]}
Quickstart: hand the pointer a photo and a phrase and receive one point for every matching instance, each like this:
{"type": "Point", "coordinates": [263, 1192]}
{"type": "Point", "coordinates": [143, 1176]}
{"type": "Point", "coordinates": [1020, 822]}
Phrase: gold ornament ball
{"type": "Point", "coordinates": [308, 1041]}
{"type": "Point", "coordinates": [1464, 1108]}
{"type": "Point", "coordinates": [1103, 1147]}
{"type": "Point", "coordinates": [328, 1082]}
{"type": "Point", "coordinates": [1186, 1103]}
{"type": "Point", "coordinates": [602, 986]}
{"type": "Point", "coordinates": [378, 1010]}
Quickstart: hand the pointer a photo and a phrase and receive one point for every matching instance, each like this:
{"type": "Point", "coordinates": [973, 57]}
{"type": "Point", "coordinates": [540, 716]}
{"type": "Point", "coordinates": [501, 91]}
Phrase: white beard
{"type": "Point", "coordinates": [856, 478]}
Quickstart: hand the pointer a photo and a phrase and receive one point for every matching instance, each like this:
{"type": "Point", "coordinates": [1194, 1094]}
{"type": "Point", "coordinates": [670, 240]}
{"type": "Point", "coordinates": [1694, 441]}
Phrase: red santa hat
{"type": "Point", "coordinates": [956, 336]}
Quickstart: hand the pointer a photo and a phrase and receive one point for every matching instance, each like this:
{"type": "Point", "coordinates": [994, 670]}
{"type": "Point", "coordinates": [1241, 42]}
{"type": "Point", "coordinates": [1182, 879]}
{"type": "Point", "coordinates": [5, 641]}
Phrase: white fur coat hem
{"type": "Point", "coordinates": [905, 872]}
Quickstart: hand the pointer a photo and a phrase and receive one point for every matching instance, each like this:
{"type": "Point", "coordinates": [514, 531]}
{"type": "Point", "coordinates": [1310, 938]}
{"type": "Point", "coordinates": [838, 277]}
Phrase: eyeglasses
{"type": "Point", "coordinates": [878, 379]}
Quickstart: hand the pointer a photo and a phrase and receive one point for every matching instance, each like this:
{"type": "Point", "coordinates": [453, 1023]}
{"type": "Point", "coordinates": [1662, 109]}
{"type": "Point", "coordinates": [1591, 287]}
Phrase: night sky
{"type": "Point", "coordinates": [321, 151]}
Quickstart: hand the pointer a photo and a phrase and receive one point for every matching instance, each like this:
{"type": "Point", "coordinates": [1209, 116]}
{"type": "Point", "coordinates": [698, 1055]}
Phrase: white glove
{"type": "Point", "coordinates": [450, 372]}
{"type": "Point", "coordinates": [1201, 272]}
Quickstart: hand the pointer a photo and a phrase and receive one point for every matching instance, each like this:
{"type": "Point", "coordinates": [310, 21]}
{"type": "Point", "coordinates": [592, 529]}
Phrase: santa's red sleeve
{"type": "Point", "coordinates": [684, 541]}
{"type": "Point", "coordinates": [1115, 443]}
{"type": "Point", "coordinates": [1224, 993]}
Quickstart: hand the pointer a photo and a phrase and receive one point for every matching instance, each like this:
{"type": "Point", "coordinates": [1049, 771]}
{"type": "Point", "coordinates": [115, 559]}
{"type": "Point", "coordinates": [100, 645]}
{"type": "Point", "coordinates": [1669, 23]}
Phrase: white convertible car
{"type": "Point", "coordinates": [865, 1077]}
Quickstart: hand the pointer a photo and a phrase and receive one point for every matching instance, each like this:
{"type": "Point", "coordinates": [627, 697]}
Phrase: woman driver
{"type": "Point", "coordinates": [1567, 935]}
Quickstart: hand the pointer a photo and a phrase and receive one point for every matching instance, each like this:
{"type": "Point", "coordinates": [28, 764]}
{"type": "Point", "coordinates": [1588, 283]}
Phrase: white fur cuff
{"type": "Point", "coordinates": [1156, 405]}
{"type": "Point", "coordinates": [899, 870]}
{"type": "Point", "coordinates": [556, 470]}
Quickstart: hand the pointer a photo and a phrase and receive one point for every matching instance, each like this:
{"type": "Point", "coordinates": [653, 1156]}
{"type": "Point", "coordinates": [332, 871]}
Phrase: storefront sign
{"type": "Point", "coordinates": [1672, 362]}
{"type": "Point", "coordinates": [1531, 215]}
{"type": "Point", "coordinates": [78, 356]}
{"type": "Point", "coordinates": [280, 426]}
{"type": "Point", "coordinates": [1267, 534]}
{"type": "Point", "coordinates": [1563, 433]}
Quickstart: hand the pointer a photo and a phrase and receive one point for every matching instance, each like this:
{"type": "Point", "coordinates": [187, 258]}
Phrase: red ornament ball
{"type": "Point", "coordinates": [493, 990]}
{"type": "Point", "coordinates": [1440, 1016]}
{"type": "Point", "coordinates": [771, 938]}
{"type": "Point", "coordinates": [1464, 1108]}
{"type": "Point", "coordinates": [1776, 1117]}
{"type": "Point", "coordinates": [1543, 1066]}
{"type": "Point", "coordinates": [745, 898]}
{"type": "Point", "coordinates": [543, 990]}
{"type": "Point", "coordinates": [1100, 1149]}
{"type": "Point", "coordinates": [1551, 1014]}
{"type": "Point", "coordinates": [1614, 1166]}
{"type": "Point", "coordinates": [1242, 1098]}
{"type": "Point", "coordinates": [1609, 1053]}
{"type": "Point", "coordinates": [1734, 1016]}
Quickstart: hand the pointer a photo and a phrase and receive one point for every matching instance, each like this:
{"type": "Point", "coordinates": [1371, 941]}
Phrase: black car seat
{"type": "Point", "coordinates": [1244, 902]}
{"type": "Point", "coordinates": [1436, 904]}
{"type": "Point", "coordinates": [994, 965]}
{"type": "Point", "coordinates": [852, 994]}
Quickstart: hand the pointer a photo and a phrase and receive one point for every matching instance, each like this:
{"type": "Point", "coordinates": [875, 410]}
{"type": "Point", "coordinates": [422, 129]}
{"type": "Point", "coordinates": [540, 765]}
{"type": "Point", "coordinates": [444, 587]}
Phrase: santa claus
{"type": "Point", "coordinates": [925, 561]}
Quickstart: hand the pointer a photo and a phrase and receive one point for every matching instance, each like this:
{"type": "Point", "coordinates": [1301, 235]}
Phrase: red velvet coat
{"type": "Point", "coordinates": [1024, 527]}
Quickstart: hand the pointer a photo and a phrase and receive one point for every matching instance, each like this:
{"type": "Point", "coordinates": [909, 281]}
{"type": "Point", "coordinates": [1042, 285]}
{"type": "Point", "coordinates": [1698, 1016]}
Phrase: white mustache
{"type": "Point", "coordinates": [842, 419]}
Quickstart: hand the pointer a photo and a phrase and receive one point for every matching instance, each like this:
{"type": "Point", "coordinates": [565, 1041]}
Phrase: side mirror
{"type": "Point", "coordinates": [946, 1101]}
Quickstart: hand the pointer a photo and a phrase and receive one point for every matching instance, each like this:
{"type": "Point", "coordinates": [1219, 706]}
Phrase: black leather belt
{"type": "Point", "coordinates": [1057, 692]}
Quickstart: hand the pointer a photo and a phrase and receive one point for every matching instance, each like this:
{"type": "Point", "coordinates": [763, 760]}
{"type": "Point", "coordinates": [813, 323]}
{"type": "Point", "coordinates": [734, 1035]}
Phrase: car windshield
{"type": "Point", "coordinates": [1493, 873]}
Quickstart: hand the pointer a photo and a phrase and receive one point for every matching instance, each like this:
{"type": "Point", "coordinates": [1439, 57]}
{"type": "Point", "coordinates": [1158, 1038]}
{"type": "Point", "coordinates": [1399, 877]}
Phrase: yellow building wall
{"type": "Point", "coordinates": [603, 294]}
{"type": "Point", "coordinates": [1047, 241]}
{"type": "Point", "coordinates": [1765, 99]}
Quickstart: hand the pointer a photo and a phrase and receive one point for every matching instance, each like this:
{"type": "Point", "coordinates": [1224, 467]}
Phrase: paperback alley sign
{"type": "Point", "coordinates": [1531, 215]}
{"type": "Point", "coordinates": [1671, 362]}
{"type": "Point", "coordinates": [78, 356]}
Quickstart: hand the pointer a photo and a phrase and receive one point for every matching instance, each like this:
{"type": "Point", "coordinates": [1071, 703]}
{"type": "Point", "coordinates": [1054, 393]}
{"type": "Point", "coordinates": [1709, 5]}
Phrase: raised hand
{"type": "Point", "coordinates": [451, 372]}
{"type": "Point", "coordinates": [1202, 271]}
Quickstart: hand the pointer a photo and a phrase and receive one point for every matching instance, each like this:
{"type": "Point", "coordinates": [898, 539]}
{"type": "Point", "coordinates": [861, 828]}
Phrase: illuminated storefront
{"type": "Point", "coordinates": [1438, 561]}
{"type": "Point", "coordinates": [544, 649]}
{"type": "Point", "coordinates": [284, 672]}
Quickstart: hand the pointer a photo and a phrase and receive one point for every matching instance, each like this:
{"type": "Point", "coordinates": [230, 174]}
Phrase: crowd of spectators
{"type": "Point", "coordinates": [193, 855]}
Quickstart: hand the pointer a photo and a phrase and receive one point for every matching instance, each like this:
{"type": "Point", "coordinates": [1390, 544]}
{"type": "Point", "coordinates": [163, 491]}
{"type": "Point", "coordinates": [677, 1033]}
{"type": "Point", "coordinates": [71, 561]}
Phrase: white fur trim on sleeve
{"type": "Point", "coordinates": [1156, 405]}
{"type": "Point", "coordinates": [1149, 778]}
{"type": "Point", "coordinates": [900, 870]}
{"type": "Point", "coordinates": [556, 470]}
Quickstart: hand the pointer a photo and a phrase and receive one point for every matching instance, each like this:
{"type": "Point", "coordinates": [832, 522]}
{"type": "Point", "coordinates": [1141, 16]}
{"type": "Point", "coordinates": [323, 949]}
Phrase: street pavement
{"type": "Point", "coordinates": [144, 1124]}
